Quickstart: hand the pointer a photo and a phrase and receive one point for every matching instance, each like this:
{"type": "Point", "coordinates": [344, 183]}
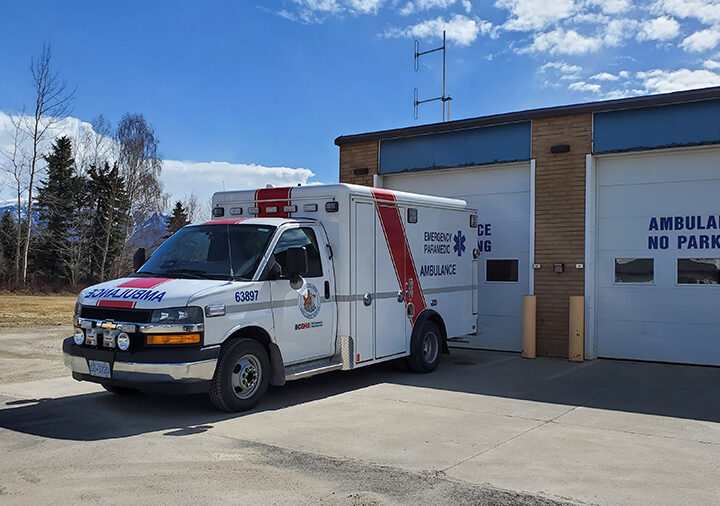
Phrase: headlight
{"type": "Point", "coordinates": [123, 341]}
{"type": "Point", "coordinates": [77, 310]}
{"type": "Point", "coordinates": [178, 315]}
{"type": "Point", "coordinates": [79, 336]}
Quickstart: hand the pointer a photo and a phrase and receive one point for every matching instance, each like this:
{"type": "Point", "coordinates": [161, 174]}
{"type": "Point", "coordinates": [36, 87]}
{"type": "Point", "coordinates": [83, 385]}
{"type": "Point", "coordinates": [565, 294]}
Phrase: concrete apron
{"type": "Point", "coordinates": [607, 432]}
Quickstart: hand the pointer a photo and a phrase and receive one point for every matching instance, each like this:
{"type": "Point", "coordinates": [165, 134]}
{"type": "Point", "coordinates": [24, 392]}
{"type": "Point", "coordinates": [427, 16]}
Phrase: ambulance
{"type": "Point", "coordinates": [282, 284]}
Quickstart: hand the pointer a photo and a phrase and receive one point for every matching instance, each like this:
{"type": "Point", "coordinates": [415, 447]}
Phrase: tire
{"type": "Point", "coordinates": [121, 390]}
{"type": "Point", "coordinates": [242, 376]}
{"type": "Point", "coordinates": [425, 349]}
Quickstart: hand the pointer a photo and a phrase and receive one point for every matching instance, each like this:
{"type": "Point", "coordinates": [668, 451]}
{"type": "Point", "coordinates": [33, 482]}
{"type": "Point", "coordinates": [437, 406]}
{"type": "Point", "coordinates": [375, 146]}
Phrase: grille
{"type": "Point", "coordinates": [118, 315]}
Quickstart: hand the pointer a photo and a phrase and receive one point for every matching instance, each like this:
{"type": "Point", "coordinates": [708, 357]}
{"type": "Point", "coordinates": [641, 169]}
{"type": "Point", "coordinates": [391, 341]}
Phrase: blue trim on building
{"type": "Point", "coordinates": [688, 124]}
{"type": "Point", "coordinates": [476, 146]}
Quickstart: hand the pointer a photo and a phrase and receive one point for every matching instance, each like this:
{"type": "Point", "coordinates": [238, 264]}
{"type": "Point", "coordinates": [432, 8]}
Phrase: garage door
{"type": "Point", "coordinates": [658, 256]}
{"type": "Point", "coordinates": [501, 194]}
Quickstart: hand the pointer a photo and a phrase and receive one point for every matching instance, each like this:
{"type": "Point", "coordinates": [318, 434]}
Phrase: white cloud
{"type": "Point", "coordinates": [665, 81]}
{"type": "Point", "coordinates": [617, 30]}
{"type": "Point", "coordinates": [711, 64]}
{"type": "Point", "coordinates": [583, 86]}
{"type": "Point", "coordinates": [460, 29]}
{"type": "Point", "coordinates": [702, 40]}
{"type": "Point", "coordinates": [706, 11]}
{"type": "Point", "coordinates": [530, 15]}
{"type": "Point", "coordinates": [425, 5]}
{"type": "Point", "coordinates": [365, 6]}
{"type": "Point", "coordinates": [662, 28]}
{"type": "Point", "coordinates": [206, 178]}
{"type": "Point", "coordinates": [604, 76]}
{"type": "Point", "coordinates": [179, 177]}
{"type": "Point", "coordinates": [611, 6]}
{"type": "Point", "coordinates": [561, 41]}
{"type": "Point", "coordinates": [567, 72]}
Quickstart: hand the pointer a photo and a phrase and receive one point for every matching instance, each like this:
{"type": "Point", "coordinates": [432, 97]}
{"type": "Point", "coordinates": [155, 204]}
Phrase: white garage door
{"type": "Point", "coordinates": [658, 256]}
{"type": "Point", "coordinates": [501, 194]}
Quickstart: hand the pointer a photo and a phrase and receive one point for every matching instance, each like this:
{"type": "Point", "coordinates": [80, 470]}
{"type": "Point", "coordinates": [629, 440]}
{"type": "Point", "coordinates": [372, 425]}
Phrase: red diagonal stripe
{"type": "Point", "coordinates": [269, 197]}
{"type": "Point", "coordinates": [143, 282]}
{"type": "Point", "coordinates": [399, 250]}
{"type": "Point", "coordinates": [125, 304]}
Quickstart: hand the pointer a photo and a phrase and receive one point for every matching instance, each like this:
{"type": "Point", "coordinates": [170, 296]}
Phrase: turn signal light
{"type": "Point", "coordinates": [173, 338]}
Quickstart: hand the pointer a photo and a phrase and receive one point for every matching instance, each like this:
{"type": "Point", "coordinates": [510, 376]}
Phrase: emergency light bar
{"type": "Point", "coordinates": [235, 211]}
{"type": "Point", "coordinates": [310, 208]}
{"type": "Point", "coordinates": [290, 209]}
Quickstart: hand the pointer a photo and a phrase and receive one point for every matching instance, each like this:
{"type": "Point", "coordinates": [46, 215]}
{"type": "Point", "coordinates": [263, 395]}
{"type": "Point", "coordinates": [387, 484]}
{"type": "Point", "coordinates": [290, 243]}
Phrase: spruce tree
{"type": "Point", "coordinates": [110, 204]}
{"type": "Point", "coordinates": [58, 198]}
{"type": "Point", "coordinates": [8, 241]}
{"type": "Point", "coordinates": [178, 219]}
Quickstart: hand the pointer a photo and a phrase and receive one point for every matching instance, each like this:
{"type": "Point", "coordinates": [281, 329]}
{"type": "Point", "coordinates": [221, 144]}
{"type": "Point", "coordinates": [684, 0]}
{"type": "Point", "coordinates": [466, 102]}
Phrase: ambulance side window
{"type": "Point", "coordinates": [299, 238]}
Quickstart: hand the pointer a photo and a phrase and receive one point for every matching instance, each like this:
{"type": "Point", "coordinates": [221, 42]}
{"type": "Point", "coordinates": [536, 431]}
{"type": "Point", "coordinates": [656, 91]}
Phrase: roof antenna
{"type": "Point", "coordinates": [443, 98]}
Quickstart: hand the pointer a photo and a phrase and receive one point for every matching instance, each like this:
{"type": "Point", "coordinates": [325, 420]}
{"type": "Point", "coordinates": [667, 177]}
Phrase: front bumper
{"type": "Point", "coordinates": [183, 370]}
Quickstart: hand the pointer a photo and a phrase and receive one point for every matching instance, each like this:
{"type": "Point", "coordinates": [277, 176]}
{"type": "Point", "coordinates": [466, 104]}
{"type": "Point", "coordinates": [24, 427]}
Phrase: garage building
{"type": "Point", "coordinates": [617, 201]}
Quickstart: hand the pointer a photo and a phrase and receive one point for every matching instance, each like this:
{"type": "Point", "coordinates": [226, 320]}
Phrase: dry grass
{"type": "Point", "coordinates": [36, 310]}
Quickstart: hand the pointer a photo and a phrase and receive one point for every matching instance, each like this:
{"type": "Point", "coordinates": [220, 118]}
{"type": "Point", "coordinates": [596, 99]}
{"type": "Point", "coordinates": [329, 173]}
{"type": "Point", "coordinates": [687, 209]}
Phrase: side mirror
{"type": "Point", "coordinates": [138, 259]}
{"type": "Point", "coordinates": [296, 264]}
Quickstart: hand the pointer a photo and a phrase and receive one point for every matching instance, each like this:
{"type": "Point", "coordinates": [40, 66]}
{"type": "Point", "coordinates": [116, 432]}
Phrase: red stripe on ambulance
{"type": "Point", "coordinates": [124, 304]}
{"type": "Point", "coordinates": [273, 197]}
{"type": "Point", "coordinates": [400, 251]}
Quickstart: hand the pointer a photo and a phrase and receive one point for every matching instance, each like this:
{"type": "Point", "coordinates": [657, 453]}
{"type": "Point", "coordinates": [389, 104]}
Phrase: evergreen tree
{"type": "Point", "coordinates": [58, 198]}
{"type": "Point", "coordinates": [108, 226]}
{"type": "Point", "coordinates": [178, 219]}
{"type": "Point", "coordinates": [8, 243]}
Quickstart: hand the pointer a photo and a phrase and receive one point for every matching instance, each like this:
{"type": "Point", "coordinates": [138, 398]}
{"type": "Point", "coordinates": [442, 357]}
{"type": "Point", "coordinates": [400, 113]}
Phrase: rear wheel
{"type": "Point", "coordinates": [425, 349]}
{"type": "Point", "coordinates": [242, 376]}
{"type": "Point", "coordinates": [121, 390]}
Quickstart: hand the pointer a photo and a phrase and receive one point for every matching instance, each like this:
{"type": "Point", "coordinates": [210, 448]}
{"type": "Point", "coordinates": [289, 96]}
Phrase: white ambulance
{"type": "Point", "coordinates": [282, 284]}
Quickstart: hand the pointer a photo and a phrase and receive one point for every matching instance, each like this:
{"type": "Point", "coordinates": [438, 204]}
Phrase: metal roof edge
{"type": "Point", "coordinates": [677, 97]}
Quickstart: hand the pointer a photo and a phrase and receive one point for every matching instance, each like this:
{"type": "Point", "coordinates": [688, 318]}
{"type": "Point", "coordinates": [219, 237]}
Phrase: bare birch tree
{"type": "Point", "coordinates": [14, 162]}
{"type": "Point", "coordinates": [191, 204]}
{"type": "Point", "coordinates": [52, 104]}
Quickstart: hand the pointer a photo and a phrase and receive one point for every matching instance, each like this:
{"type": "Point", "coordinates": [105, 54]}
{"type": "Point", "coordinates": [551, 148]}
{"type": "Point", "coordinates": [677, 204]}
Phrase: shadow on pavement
{"type": "Point", "coordinates": [687, 392]}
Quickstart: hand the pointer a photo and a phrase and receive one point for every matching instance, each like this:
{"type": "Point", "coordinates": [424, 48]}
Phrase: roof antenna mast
{"type": "Point", "coordinates": [444, 98]}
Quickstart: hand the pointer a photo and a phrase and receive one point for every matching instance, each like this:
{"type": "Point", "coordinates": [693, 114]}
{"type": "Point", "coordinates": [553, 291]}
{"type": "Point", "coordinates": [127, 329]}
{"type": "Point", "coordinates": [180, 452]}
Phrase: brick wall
{"type": "Point", "coordinates": [362, 155]}
{"type": "Point", "coordinates": [559, 224]}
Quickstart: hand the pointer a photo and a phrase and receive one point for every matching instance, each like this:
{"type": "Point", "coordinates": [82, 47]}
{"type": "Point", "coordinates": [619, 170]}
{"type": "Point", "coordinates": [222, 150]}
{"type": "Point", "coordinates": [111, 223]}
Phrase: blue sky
{"type": "Point", "coordinates": [271, 84]}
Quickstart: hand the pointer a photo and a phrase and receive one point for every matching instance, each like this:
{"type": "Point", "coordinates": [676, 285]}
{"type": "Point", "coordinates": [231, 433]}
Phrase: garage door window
{"type": "Point", "coordinates": [501, 270]}
{"type": "Point", "coordinates": [634, 270]}
{"type": "Point", "coordinates": [698, 271]}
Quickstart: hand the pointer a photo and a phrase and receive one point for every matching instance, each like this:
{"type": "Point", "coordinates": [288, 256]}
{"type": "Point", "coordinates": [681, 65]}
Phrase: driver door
{"type": "Point", "coordinates": [304, 316]}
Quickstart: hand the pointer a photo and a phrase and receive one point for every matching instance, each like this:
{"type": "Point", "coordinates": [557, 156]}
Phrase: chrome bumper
{"type": "Point", "coordinates": [147, 372]}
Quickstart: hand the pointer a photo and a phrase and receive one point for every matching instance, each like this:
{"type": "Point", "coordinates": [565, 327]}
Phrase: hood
{"type": "Point", "coordinates": [146, 293]}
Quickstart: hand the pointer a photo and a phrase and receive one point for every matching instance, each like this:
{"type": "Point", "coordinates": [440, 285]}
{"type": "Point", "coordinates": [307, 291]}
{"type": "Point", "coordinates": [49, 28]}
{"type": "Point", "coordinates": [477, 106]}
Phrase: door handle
{"type": "Point", "coordinates": [327, 290]}
{"type": "Point", "coordinates": [367, 299]}
{"type": "Point", "coordinates": [401, 296]}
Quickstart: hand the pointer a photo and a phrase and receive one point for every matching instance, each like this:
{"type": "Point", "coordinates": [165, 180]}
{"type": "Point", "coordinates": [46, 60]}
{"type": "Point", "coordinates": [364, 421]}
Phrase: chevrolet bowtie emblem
{"type": "Point", "coordinates": [108, 325]}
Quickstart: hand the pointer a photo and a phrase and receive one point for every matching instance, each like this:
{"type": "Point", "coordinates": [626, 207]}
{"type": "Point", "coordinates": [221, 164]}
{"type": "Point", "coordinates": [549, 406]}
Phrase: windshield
{"type": "Point", "coordinates": [204, 251]}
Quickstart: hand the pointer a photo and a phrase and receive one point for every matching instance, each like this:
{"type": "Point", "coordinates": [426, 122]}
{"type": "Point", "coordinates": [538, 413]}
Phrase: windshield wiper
{"type": "Point", "coordinates": [193, 273]}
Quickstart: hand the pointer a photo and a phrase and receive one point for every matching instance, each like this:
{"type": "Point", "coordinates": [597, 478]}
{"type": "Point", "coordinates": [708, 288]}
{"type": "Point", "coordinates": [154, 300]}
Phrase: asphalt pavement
{"type": "Point", "coordinates": [485, 428]}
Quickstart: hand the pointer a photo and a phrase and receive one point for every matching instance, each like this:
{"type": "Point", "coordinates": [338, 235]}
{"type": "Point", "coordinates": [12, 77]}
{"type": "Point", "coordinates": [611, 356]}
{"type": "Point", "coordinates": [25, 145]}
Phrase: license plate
{"type": "Point", "coordinates": [99, 369]}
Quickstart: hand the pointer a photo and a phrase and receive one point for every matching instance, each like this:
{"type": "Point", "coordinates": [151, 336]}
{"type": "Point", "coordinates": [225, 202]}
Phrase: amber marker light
{"type": "Point", "coordinates": [173, 338]}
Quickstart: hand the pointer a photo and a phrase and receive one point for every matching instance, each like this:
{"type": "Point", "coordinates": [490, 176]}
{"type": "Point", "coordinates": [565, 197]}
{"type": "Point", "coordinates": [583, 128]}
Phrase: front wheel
{"type": "Point", "coordinates": [425, 349]}
{"type": "Point", "coordinates": [242, 376]}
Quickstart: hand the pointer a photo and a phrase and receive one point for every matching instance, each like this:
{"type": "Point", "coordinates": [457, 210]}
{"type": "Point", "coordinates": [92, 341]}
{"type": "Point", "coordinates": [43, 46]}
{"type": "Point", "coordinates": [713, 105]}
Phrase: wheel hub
{"type": "Point", "coordinates": [246, 376]}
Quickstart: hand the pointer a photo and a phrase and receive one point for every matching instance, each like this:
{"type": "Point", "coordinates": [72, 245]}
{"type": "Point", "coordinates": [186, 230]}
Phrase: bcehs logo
{"type": "Point", "coordinates": [459, 247]}
{"type": "Point", "coordinates": [309, 301]}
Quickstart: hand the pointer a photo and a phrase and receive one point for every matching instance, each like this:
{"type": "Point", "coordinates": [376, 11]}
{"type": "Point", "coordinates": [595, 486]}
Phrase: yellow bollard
{"type": "Point", "coordinates": [528, 331]}
{"type": "Point", "coordinates": [576, 351]}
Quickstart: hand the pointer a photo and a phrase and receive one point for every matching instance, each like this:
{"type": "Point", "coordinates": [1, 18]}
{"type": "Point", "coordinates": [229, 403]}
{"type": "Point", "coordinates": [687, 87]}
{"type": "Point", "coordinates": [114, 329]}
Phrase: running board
{"type": "Point", "coordinates": [311, 369]}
